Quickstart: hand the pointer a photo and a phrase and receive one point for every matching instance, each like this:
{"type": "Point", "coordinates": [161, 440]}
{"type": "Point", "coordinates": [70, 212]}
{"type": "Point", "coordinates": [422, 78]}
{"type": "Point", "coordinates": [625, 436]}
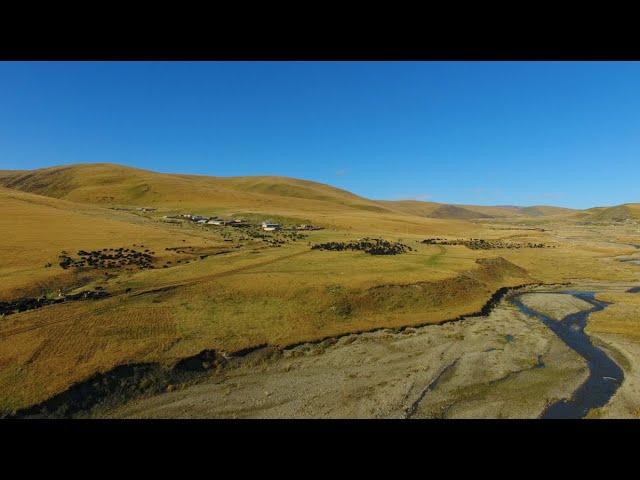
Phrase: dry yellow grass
{"type": "Point", "coordinates": [252, 294]}
{"type": "Point", "coordinates": [619, 213]}
{"type": "Point", "coordinates": [36, 229]}
{"type": "Point", "coordinates": [276, 303]}
{"type": "Point", "coordinates": [622, 317]}
{"type": "Point", "coordinates": [108, 184]}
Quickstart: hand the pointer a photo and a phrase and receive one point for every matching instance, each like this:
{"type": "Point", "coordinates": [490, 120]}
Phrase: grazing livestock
{"type": "Point", "coordinates": [99, 259]}
{"type": "Point", "coordinates": [372, 246]}
{"type": "Point", "coordinates": [481, 244]}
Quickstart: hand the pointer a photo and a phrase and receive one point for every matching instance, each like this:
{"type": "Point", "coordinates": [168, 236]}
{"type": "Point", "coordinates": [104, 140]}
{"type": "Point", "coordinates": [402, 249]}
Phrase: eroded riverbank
{"type": "Point", "coordinates": [124, 383]}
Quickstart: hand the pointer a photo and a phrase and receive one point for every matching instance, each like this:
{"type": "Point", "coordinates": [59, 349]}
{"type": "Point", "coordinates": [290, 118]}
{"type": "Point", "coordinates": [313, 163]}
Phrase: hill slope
{"type": "Point", "coordinates": [302, 200]}
{"type": "Point", "coordinates": [514, 211]}
{"type": "Point", "coordinates": [116, 184]}
{"type": "Point", "coordinates": [452, 211]}
{"type": "Point", "coordinates": [111, 184]}
{"type": "Point", "coordinates": [619, 213]}
{"type": "Point", "coordinates": [443, 210]}
{"type": "Point", "coordinates": [41, 227]}
{"type": "Point", "coordinates": [432, 209]}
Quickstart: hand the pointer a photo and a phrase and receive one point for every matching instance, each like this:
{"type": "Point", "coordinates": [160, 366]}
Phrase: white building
{"type": "Point", "coordinates": [270, 226]}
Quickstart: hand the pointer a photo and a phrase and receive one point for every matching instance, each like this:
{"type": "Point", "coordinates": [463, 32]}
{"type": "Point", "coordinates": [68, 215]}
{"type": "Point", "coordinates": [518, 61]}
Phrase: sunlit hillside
{"type": "Point", "coordinates": [302, 200]}
{"type": "Point", "coordinates": [619, 213]}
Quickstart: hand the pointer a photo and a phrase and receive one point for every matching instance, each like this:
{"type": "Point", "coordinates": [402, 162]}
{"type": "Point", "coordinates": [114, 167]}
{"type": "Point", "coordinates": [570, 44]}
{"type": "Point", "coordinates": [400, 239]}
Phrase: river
{"type": "Point", "coordinates": [605, 376]}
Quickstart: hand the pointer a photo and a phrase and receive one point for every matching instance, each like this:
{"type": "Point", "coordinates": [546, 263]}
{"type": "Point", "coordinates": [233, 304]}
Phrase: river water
{"type": "Point", "coordinates": [605, 376]}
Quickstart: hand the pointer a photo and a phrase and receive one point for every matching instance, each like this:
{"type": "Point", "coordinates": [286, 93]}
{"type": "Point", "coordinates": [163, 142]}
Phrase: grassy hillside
{"type": "Point", "coordinates": [228, 288]}
{"type": "Point", "coordinates": [432, 209]}
{"type": "Point", "coordinates": [545, 210]}
{"type": "Point", "coordinates": [451, 211]}
{"type": "Point", "coordinates": [507, 211]}
{"type": "Point", "coordinates": [241, 293]}
{"type": "Point", "coordinates": [620, 213]}
{"type": "Point", "coordinates": [110, 184]}
{"type": "Point", "coordinates": [467, 212]}
{"type": "Point", "coordinates": [412, 207]}
{"type": "Point", "coordinates": [40, 228]}
{"type": "Point", "coordinates": [117, 184]}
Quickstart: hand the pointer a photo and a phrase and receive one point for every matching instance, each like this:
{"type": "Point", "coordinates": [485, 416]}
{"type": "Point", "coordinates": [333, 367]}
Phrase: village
{"type": "Point", "coordinates": [267, 225]}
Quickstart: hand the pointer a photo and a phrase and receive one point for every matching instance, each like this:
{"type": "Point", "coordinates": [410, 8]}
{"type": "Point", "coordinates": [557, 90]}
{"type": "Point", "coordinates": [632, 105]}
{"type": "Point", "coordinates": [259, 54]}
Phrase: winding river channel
{"type": "Point", "coordinates": [605, 376]}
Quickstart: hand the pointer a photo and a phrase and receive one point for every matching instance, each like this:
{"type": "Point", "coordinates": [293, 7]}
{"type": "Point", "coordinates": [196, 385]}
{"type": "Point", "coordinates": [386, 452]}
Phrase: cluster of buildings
{"type": "Point", "coordinates": [267, 225]}
{"type": "Point", "coordinates": [236, 222]}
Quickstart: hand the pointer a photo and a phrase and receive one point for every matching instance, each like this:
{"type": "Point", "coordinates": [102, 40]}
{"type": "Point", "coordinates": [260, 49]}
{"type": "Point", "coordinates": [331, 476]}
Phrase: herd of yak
{"type": "Point", "coordinates": [108, 258]}
{"type": "Point", "coordinates": [378, 246]}
{"type": "Point", "coordinates": [30, 303]}
{"type": "Point", "coordinates": [372, 246]}
{"type": "Point", "coordinates": [481, 244]}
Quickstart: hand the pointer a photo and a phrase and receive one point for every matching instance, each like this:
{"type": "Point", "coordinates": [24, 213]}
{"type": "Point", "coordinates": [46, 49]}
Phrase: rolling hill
{"type": "Point", "coordinates": [619, 213]}
{"type": "Point", "coordinates": [117, 185]}
{"type": "Point", "coordinates": [504, 211]}
{"type": "Point", "coordinates": [443, 210]}
{"type": "Point", "coordinates": [121, 185]}
{"type": "Point", "coordinates": [432, 209]}
{"type": "Point", "coordinates": [303, 201]}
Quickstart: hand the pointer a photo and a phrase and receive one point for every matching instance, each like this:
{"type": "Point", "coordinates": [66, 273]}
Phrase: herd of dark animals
{"type": "Point", "coordinates": [30, 303]}
{"type": "Point", "coordinates": [481, 244]}
{"type": "Point", "coordinates": [372, 246]}
{"type": "Point", "coordinates": [108, 258]}
{"type": "Point", "coordinates": [378, 246]}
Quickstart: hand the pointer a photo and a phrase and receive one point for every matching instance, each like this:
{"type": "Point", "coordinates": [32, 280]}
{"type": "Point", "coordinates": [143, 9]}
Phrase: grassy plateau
{"type": "Point", "coordinates": [229, 288]}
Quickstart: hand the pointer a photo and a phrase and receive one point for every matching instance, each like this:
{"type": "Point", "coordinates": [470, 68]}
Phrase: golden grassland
{"type": "Point", "coordinates": [36, 229]}
{"type": "Point", "coordinates": [619, 213]}
{"type": "Point", "coordinates": [244, 292]}
{"type": "Point", "coordinates": [116, 185]}
{"type": "Point", "coordinates": [622, 317]}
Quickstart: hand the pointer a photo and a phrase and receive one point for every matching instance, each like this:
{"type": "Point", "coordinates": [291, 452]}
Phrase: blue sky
{"type": "Point", "coordinates": [506, 133]}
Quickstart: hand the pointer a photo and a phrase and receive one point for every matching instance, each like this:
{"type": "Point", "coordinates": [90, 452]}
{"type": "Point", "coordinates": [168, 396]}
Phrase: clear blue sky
{"type": "Point", "coordinates": [508, 133]}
